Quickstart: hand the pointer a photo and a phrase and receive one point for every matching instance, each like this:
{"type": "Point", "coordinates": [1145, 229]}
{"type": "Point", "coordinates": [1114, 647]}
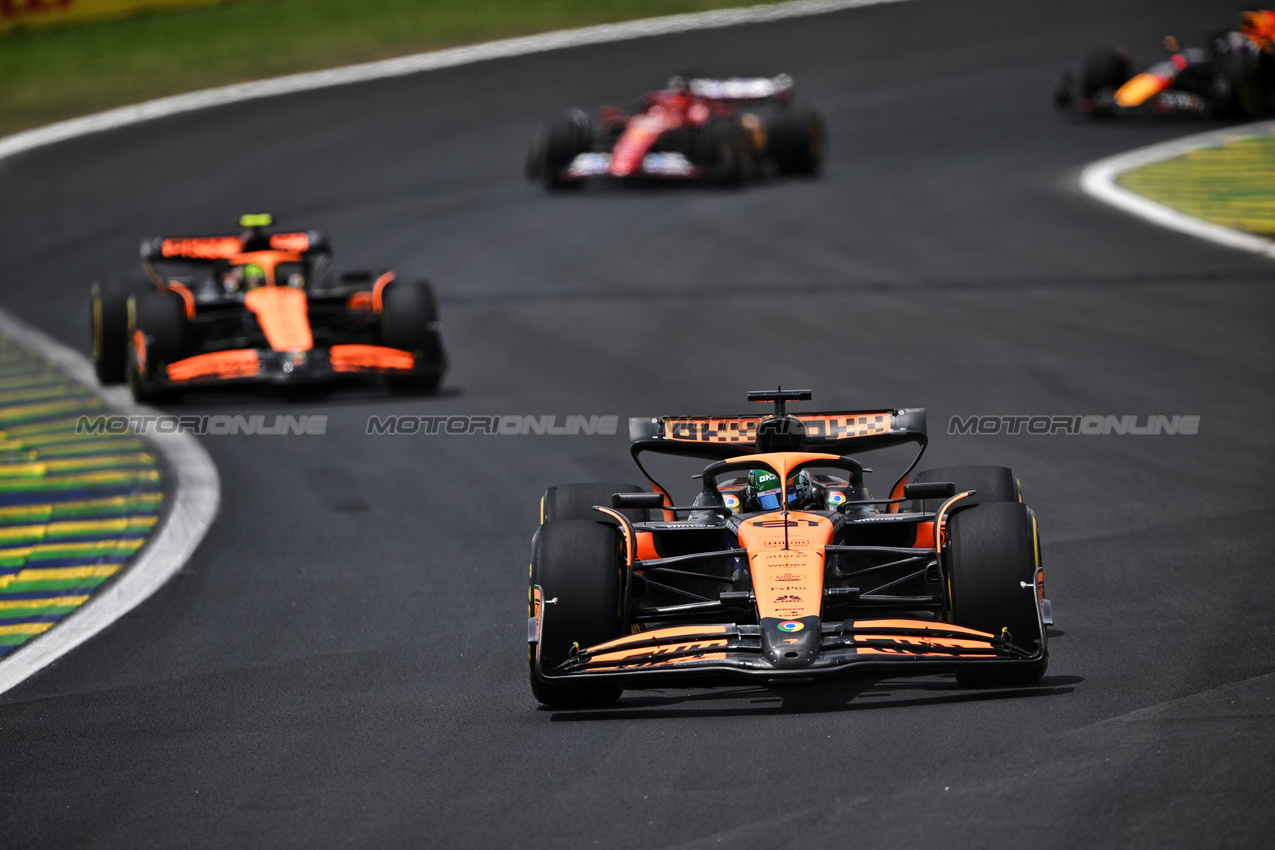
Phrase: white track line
{"type": "Point", "coordinates": [196, 489]}
{"type": "Point", "coordinates": [1099, 180]}
{"type": "Point", "coordinates": [194, 493]}
{"type": "Point", "coordinates": [503, 49]}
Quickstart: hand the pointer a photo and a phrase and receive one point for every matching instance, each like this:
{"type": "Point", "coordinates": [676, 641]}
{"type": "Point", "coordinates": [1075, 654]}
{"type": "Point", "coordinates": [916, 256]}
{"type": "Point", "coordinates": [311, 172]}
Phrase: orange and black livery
{"type": "Point", "coordinates": [783, 567]}
{"type": "Point", "coordinates": [260, 307]}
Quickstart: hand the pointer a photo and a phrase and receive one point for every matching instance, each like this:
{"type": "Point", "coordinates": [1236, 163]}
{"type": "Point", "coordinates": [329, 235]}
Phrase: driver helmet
{"type": "Point", "coordinates": [765, 488]}
{"type": "Point", "coordinates": [253, 275]}
{"type": "Point", "coordinates": [801, 488]}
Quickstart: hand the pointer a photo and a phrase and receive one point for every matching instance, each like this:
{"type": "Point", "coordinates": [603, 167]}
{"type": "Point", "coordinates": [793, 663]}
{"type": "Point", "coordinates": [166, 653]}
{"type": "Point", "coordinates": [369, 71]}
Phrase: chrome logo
{"type": "Point", "coordinates": [791, 626]}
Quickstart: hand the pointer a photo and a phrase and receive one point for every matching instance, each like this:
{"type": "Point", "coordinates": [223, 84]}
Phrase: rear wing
{"type": "Point", "coordinates": [743, 88]}
{"type": "Point", "coordinates": [722, 437]}
{"type": "Point", "coordinates": [203, 249]}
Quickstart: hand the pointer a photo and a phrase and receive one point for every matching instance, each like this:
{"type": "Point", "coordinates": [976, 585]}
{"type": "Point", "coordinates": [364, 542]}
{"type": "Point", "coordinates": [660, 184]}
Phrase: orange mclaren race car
{"type": "Point", "coordinates": [1232, 77]}
{"type": "Point", "coordinates": [784, 568]}
{"type": "Point", "coordinates": [259, 307]}
{"type": "Point", "coordinates": [725, 131]}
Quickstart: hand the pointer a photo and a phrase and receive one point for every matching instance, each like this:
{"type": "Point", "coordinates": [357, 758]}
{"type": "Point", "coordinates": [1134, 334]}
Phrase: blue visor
{"type": "Point", "coordinates": [768, 501]}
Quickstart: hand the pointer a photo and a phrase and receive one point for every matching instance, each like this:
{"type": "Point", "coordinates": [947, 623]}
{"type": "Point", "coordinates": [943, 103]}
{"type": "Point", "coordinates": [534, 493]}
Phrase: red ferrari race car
{"type": "Point", "coordinates": [1232, 77]}
{"type": "Point", "coordinates": [258, 307]}
{"type": "Point", "coordinates": [784, 568]}
{"type": "Point", "coordinates": [724, 131]}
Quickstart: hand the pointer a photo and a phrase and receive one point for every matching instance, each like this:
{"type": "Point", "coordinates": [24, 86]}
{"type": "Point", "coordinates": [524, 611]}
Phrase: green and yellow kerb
{"type": "Point", "coordinates": [74, 508]}
{"type": "Point", "coordinates": [1232, 185]}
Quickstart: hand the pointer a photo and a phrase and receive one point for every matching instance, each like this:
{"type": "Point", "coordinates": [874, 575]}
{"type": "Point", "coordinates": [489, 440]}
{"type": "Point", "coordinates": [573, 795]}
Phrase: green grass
{"type": "Point", "coordinates": [1232, 185]}
{"type": "Point", "coordinates": [49, 74]}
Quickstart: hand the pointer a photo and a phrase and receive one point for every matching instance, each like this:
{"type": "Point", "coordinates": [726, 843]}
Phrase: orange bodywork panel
{"type": "Point", "coordinates": [268, 260]}
{"type": "Point", "coordinates": [904, 644]}
{"type": "Point", "coordinates": [1140, 89]}
{"type": "Point", "coordinates": [378, 290]}
{"type": "Point", "coordinates": [360, 301]}
{"type": "Point", "coordinates": [646, 546]}
{"type": "Point", "coordinates": [700, 642]}
{"type": "Point", "coordinates": [187, 298]}
{"type": "Point", "coordinates": [240, 363]}
{"type": "Point", "coordinates": [786, 558]}
{"type": "Point", "coordinates": [139, 350]}
{"type": "Point", "coordinates": [281, 312]}
{"type": "Point", "coordinates": [370, 358]}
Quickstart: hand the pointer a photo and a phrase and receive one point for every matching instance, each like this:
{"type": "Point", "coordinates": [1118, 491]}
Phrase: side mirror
{"type": "Point", "coordinates": [637, 500]}
{"type": "Point", "coordinates": [929, 490]}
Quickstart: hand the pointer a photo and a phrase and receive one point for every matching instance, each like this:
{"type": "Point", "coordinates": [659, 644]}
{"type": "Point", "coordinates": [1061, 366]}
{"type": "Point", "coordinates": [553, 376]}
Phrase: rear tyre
{"type": "Point", "coordinates": [991, 551]}
{"type": "Point", "coordinates": [726, 152]}
{"type": "Point", "coordinates": [1238, 87]}
{"type": "Point", "coordinates": [108, 321]}
{"type": "Point", "coordinates": [409, 322]}
{"type": "Point", "coordinates": [797, 140]}
{"type": "Point", "coordinates": [1105, 68]}
{"type": "Point", "coordinates": [160, 317]}
{"type": "Point", "coordinates": [578, 564]}
{"type": "Point", "coordinates": [576, 501]}
{"type": "Point", "coordinates": [993, 483]}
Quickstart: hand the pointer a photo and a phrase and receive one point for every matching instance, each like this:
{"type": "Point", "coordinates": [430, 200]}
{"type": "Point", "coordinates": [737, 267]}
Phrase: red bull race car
{"type": "Point", "coordinates": [723, 131]}
{"type": "Point", "coordinates": [259, 307]}
{"type": "Point", "coordinates": [1232, 77]}
{"type": "Point", "coordinates": [784, 568]}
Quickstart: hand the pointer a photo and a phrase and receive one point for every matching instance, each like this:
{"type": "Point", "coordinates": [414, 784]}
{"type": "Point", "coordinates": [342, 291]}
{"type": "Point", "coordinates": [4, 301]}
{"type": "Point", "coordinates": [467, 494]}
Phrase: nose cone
{"type": "Point", "coordinates": [790, 644]}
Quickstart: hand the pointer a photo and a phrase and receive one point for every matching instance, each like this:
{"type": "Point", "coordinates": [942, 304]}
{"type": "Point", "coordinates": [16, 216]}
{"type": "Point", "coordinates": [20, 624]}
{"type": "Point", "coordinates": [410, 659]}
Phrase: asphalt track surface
{"type": "Point", "coordinates": [342, 662]}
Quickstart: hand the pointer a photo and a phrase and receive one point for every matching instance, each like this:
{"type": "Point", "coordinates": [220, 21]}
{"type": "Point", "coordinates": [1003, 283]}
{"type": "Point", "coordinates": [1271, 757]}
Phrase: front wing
{"type": "Point", "coordinates": [249, 365]}
{"type": "Point", "coordinates": [882, 646]}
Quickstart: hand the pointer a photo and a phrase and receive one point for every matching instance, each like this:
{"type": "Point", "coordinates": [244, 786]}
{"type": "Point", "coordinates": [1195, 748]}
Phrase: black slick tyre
{"type": "Point", "coordinates": [990, 553]}
{"type": "Point", "coordinates": [410, 322]}
{"type": "Point", "coordinates": [992, 483]}
{"type": "Point", "coordinates": [108, 321]}
{"type": "Point", "coordinates": [578, 566]}
{"type": "Point", "coordinates": [161, 319]}
{"type": "Point", "coordinates": [576, 501]}
{"type": "Point", "coordinates": [796, 140]}
{"type": "Point", "coordinates": [557, 146]}
{"type": "Point", "coordinates": [725, 152]}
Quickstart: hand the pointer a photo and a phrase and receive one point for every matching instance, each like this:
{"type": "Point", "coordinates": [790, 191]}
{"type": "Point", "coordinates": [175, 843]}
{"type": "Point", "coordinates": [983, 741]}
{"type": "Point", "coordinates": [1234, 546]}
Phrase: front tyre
{"type": "Point", "coordinates": [556, 146]}
{"type": "Point", "coordinates": [157, 337]}
{"type": "Point", "coordinates": [410, 322]}
{"type": "Point", "coordinates": [108, 321]}
{"type": "Point", "coordinates": [579, 568]}
{"type": "Point", "coordinates": [990, 554]}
